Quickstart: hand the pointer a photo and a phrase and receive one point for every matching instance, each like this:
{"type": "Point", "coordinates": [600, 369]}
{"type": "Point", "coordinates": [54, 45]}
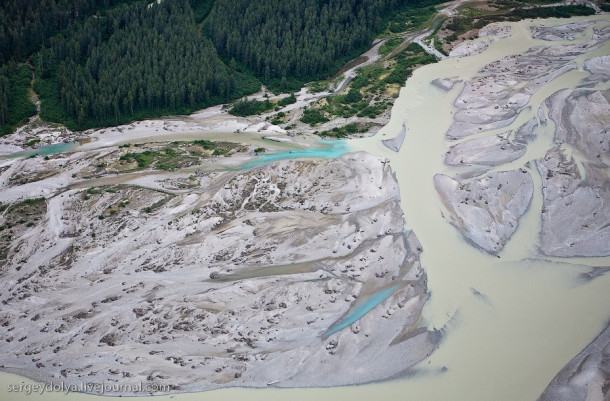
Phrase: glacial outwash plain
{"type": "Point", "coordinates": [253, 278]}
{"type": "Point", "coordinates": [520, 120]}
{"type": "Point", "coordinates": [459, 253]}
{"type": "Point", "coordinates": [574, 170]}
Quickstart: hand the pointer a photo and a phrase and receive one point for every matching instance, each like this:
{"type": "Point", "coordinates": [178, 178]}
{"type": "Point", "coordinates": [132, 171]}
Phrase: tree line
{"type": "Point", "coordinates": [135, 59]}
{"type": "Point", "coordinates": [302, 40]}
{"type": "Point", "coordinates": [15, 105]}
{"type": "Point", "coordinates": [26, 24]}
{"type": "Point", "coordinates": [104, 62]}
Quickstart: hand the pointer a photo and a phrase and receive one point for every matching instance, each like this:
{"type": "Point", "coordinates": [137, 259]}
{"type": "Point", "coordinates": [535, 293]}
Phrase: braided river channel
{"type": "Point", "coordinates": [511, 321]}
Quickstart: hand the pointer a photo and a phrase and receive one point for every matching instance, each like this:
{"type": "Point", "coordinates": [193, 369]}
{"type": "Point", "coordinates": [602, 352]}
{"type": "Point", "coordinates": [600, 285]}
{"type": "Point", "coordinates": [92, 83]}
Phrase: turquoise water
{"type": "Point", "coordinates": [362, 309]}
{"type": "Point", "coordinates": [43, 150]}
{"type": "Point", "coordinates": [328, 149]}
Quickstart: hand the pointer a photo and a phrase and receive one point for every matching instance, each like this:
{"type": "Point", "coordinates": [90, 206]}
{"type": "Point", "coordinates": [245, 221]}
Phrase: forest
{"type": "Point", "coordinates": [106, 62]}
{"type": "Point", "coordinates": [289, 42]}
{"type": "Point", "coordinates": [135, 61]}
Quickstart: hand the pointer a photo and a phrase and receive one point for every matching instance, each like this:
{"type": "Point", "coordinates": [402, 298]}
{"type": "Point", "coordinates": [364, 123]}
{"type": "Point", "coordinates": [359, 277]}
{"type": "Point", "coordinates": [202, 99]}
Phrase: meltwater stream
{"type": "Point", "coordinates": [43, 150]}
{"type": "Point", "coordinates": [361, 309]}
{"type": "Point", "coordinates": [327, 149]}
{"type": "Point", "coordinates": [512, 322]}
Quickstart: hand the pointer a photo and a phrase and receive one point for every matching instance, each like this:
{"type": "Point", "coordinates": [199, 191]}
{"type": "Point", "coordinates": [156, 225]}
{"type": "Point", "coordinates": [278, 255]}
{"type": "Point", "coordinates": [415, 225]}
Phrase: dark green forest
{"type": "Point", "coordinates": [15, 106]}
{"type": "Point", "coordinates": [136, 60]}
{"type": "Point", "coordinates": [26, 24]}
{"type": "Point", "coordinates": [296, 40]}
{"type": "Point", "coordinates": [105, 62]}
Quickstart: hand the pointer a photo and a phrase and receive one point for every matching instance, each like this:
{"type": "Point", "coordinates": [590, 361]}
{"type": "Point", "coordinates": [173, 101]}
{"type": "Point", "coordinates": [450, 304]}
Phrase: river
{"type": "Point", "coordinates": [512, 322]}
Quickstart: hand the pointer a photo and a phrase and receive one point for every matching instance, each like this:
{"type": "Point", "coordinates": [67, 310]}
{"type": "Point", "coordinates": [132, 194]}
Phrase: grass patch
{"type": "Point", "coordinates": [389, 45]}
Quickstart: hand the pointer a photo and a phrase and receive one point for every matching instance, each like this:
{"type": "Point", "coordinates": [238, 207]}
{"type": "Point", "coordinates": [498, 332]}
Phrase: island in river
{"type": "Point", "coordinates": [487, 205]}
{"type": "Point", "coordinates": [517, 117]}
{"type": "Point", "coordinates": [258, 277]}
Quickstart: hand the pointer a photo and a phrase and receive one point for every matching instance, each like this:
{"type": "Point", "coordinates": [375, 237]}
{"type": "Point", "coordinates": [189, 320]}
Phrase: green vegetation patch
{"type": "Point", "coordinates": [279, 118]}
{"type": "Point", "coordinates": [345, 131]}
{"type": "Point", "coordinates": [438, 44]}
{"type": "Point", "coordinates": [245, 108]}
{"type": "Point", "coordinates": [15, 105]}
{"type": "Point", "coordinates": [368, 92]}
{"type": "Point", "coordinates": [28, 207]}
{"type": "Point", "coordinates": [318, 86]}
{"type": "Point", "coordinates": [412, 16]}
{"type": "Point", "coordinates": [287, 100]}
{"type": "Point", "coordinates": [406, 61]}
{"type": "Point", "coordinates": [177, 155]}
{"type": "Point", "coordinates": [314, 117]}
{"type": "Point", "coordinates": [389, 45]}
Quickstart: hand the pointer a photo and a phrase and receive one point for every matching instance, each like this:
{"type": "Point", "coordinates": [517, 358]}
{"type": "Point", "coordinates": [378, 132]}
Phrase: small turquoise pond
{"type": "Point", "coordinates": [43, 150]}
{"type": "Point", "coordinates": [361, 309]}
{"type": "Point", "coordinates": [328, 149]}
